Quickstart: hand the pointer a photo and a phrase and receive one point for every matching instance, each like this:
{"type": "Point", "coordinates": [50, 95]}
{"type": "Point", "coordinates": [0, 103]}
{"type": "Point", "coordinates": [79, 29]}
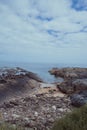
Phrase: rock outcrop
{"type": "Point", "coordinates": [75, 79]}
{"type": "Point", "coordinates": [16, 82]}
{"type": "Point", "coordinates": [73, 73]}
{"type": "Point", "coordinates": [13, 73]}
{"type": "Point", "coordinates": [74, 84]}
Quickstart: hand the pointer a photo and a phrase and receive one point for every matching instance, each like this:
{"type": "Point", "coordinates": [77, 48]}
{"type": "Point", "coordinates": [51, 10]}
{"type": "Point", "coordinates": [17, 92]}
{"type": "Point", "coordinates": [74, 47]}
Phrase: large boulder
{"type": "Point", "coordinates": [73, 86]}
{"type": "Point", "coordinates": [66, 87]}
{"type": "Point", "coordinates": [79, 99]}
{"type": "Point", "coordinates": [79, 84]}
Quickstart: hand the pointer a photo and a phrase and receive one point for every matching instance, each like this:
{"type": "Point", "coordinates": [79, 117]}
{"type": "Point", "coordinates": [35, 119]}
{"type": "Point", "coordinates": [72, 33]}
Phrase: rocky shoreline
{"type": "Point", "coordinates": [26, 100]}
{"type": "Point", "coordinates": [74, 84]}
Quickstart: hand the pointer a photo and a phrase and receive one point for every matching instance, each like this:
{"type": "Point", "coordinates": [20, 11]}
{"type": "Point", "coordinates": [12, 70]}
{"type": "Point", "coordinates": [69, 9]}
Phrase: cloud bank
{"type": "Point", "coordinates": [43, 30]}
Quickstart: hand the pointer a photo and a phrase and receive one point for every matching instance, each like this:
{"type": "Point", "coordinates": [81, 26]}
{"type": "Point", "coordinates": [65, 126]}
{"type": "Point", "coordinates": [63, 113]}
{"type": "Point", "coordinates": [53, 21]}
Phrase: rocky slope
{"type": "Point", "coordinates": [16, 82]}
{"type": "Point", "coordinates": [38, 112]}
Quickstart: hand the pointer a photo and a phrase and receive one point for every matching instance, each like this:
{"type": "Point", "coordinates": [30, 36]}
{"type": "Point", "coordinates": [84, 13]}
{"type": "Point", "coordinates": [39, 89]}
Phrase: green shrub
{"type": "Point", "coordinates": [76, 120]}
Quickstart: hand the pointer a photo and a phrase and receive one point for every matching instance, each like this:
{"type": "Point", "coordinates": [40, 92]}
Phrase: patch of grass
{"type": "Point", "coordinates": [76, 120]}
{"type": "Point", "coordinates": [9, 127]}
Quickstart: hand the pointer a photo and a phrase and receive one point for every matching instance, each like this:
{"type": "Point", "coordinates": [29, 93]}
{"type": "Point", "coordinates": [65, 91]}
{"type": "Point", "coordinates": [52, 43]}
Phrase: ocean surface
{"type": "Point", "coordinates": [40, 68]}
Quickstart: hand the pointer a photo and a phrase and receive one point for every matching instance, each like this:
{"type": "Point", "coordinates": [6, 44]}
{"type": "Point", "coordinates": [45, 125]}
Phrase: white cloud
{"type": "Point", "coordinates": [40, 28]}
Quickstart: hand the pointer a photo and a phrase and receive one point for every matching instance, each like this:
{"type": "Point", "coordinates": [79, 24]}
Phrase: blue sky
{"type": "Point", "coordinates": [43, 31]}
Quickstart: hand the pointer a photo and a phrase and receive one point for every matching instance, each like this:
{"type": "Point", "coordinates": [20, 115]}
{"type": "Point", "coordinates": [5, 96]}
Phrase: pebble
{"type": "Point", "coordinates": [36, 113]}
{"type": "Point", "coordinates": [61, 109]}
{"type": "Point", "coordinates": [54, 108]}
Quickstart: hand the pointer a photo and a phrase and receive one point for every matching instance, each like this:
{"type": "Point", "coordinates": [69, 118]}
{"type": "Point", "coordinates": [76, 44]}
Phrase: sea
{"type": "Point", "coordinates": [41, 69]}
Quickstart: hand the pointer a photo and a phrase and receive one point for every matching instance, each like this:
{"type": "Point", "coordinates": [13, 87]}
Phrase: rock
{"type": "Point", "coordinates": [80, 84]}
{"type": "Point", "coordinates": [54, 108]}
{"type": "Point", "coordinates": [33, 83]}
{"type": "Point", "coordinates": [75, 79]}
{"type": "Point", "coordinates": [36, 113]}
{"type": "Point", "coordinates": [79, 99]}
{"type": "Point", "coordinates": [66, 87]}
{"type": "Point", "coordinates": [15, 72]}
{"type": "Point", "coordinates": [2, 81]}
{"type": "Point", "coordinates": [16, 82]}
{"type": "Point", "coordinates": [73, 86]}
{"type": "Point", "coordinates": [34, 76]}
{"type": "Point", "coordinates": [61, 109]}
{"type": "Point", "coordinates": [69, 72]}
{"type": "Point", "coordinates": [15, 116]}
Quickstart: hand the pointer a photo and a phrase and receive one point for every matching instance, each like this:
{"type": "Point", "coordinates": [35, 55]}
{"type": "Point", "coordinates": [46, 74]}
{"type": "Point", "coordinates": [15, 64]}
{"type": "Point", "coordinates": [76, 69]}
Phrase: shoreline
{"type": "Point", "coordinates": [29, 101]}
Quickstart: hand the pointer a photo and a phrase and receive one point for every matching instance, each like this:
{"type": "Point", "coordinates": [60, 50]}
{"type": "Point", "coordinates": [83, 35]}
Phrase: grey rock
{"type": "Point", "coordinates": [79, 99]}
{"type": "Point", "coordinates": [16, 82]}
{"type": "Point", "coordinates": [80, 84]}
{"type": "Point", "coordinates": [69, 72]}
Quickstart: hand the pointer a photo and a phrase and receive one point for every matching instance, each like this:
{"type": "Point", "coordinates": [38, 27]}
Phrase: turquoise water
{"type": "Point", "coordinates": [40, 68]}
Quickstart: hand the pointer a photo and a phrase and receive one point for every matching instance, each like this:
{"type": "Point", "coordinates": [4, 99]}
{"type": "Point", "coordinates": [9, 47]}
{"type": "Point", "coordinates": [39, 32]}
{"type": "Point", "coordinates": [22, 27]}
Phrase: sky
{"type": "Point", "coordinates": [52, 31]}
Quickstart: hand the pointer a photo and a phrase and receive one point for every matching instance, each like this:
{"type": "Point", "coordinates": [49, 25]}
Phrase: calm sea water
{"type": "Point", "coordinates": [40, 68]}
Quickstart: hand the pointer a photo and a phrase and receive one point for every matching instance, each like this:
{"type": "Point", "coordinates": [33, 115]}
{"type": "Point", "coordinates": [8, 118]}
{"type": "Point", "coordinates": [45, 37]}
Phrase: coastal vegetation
{"type": "Point", "coordinates": [10, 127]}
{"type": "Point", "coordinates": [76, 120]}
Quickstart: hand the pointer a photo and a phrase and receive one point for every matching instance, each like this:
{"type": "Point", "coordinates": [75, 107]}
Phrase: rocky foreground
{"type": "Point", "coordinates": [28, 101]}
{"type": "Point", "coordinates": [36, 112]}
